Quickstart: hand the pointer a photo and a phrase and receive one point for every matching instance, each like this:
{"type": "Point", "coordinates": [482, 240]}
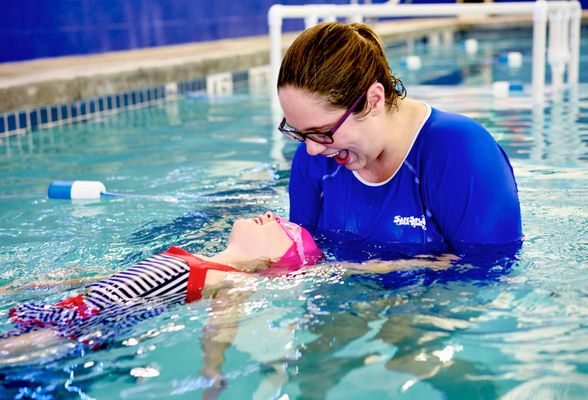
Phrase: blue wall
{"type": "Point", "coordinates": [48, 28]}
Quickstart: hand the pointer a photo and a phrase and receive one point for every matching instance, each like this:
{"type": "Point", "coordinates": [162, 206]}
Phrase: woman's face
{"type": "Point", "coordinates": [259, 237]}
{"type": "Point", "coordinates": [355, 144]}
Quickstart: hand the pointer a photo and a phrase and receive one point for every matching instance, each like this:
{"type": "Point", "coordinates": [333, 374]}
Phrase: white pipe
{"type": "Point", "coordinates": [416, 10]}
{"type": "Point", "coordinates": [539, 44]}
{"type": "Point", "coordinates": [310, 20]}
{"type": "Point", "coordinates": [575, 27]}
{"type": "Point", "coordinates": [539, 9]}
{"type": "Point", "coordinates": [555, 50]}
{"type": "Point", "coordinates": [565, 41]}
{"type": "Point", "coordinates": [356, 18]}
{"type": "Point", "coordinates": [275, 31]}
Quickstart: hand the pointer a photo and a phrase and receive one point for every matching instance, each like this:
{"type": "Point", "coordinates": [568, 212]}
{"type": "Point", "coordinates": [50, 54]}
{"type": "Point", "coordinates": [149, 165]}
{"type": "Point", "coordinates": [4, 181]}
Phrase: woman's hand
{"type": "Point", "coordinates": [441, 262]}
{"type": "Point", "coordinates": [259, 264]}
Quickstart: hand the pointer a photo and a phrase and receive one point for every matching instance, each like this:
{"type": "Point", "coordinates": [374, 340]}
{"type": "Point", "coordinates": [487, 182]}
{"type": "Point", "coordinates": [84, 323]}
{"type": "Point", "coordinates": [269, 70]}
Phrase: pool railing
{"type": "Point", "coordinates": [563, 18]}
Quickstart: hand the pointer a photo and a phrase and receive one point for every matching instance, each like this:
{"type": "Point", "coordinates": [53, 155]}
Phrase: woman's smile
{"type": "Point", "coordinates": [340, 156]}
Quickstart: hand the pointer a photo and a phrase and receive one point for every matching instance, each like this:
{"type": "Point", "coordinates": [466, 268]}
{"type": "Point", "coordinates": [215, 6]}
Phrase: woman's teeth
{"type": "Point", "coordinates": [342, 157]}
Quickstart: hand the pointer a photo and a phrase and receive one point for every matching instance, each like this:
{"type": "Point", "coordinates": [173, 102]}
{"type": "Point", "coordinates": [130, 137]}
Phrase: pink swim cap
{"type": "Point", "coordinates": [303, 251]}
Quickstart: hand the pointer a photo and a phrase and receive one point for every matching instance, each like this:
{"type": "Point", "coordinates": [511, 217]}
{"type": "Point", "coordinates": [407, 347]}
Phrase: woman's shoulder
{"type": "Point", "coordinates": [453, 124]}
{"type": "Point", "coordinates": [451, 131]}
{"type": "Point", "coordinates": [450, 139]}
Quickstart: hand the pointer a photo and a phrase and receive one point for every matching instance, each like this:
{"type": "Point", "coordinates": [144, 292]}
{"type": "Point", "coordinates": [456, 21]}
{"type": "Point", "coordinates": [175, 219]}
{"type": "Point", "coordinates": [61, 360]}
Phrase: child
{"type": "Point", "coordinates": [266, 243]}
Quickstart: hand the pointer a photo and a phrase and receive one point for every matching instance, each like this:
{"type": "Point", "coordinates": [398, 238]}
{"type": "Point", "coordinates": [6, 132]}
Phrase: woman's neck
{"type": "Point", "coordinates": [399, 127]}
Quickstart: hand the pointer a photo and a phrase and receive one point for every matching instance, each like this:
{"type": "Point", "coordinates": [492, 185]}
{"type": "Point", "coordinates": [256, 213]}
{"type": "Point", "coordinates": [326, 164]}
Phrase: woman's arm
{"type": "Point", "coordinates": [469, 185]}
{"type": "Point", "coordinates": [440, 262]}
{"type": "Point", "coordinates": [305, 189]}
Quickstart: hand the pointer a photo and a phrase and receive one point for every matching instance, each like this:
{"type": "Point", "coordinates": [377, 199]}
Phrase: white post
{"type": "Point", "coordinates": [356, 17]}
{"type": "Point", "coordinates": [311, 20]}
{"type": "Point", "coordinates": [575, 26]}
{"type": "Point", "coordinates": [539, 44]}
{"type": "Point", "coordinates": [275, 30]}
{"type": "Point", "coordinates": [541, 9]}
{"type": "Point", "coordinates": [556, 53]}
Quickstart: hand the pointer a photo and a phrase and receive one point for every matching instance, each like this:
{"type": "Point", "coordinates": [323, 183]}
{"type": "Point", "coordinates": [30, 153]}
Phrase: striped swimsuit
{"type": "Point", "coordinates": [121, 300]}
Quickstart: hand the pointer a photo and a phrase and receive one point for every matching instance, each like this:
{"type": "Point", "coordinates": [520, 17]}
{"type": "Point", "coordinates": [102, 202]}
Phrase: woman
{"type": "Point", "coordinates": [379, 167]}
{"type": "Point", "coordinates": [267, 244]}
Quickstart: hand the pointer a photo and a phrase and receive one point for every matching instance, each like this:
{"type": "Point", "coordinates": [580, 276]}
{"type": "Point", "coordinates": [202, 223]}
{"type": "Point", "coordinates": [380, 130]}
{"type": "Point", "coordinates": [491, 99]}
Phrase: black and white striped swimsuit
{"type": "Point", "coordinates": [121, 300]}
{"type": "Point", "coordinates": [156, 276]}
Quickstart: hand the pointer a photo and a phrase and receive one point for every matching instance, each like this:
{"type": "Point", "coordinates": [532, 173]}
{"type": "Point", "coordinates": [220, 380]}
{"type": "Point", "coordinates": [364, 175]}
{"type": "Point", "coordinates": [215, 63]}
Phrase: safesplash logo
{"type": "Point", "coordinates": [415, 222]}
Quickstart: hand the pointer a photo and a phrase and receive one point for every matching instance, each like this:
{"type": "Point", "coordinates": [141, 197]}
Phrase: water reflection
{"type": "Point", "coordinates": [414, 341]}
{"type": "Point", "coordinates": [510, 329]}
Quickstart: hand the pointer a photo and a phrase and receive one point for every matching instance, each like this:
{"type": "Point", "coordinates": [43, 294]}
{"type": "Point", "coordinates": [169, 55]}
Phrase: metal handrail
{"type": "Point", "coordinates": [563, 17]}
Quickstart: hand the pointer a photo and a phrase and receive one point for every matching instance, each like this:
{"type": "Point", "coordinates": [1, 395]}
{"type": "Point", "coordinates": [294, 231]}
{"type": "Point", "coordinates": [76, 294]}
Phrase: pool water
{"type": "Point", "coordinates": [188, 167]}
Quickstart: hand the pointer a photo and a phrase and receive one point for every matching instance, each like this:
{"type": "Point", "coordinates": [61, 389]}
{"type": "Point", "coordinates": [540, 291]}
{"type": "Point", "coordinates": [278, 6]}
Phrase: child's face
{"type": "Point", "coordinates": [260, 237]}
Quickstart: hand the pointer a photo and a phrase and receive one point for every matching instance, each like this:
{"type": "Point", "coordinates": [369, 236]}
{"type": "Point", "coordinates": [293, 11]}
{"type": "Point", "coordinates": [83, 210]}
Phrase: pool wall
{"type": "Point", "coordinates": [38, 29]}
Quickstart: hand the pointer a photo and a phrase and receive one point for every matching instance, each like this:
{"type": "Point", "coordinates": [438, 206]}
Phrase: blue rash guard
{"type": "Point", "coordinates": [454, 191]}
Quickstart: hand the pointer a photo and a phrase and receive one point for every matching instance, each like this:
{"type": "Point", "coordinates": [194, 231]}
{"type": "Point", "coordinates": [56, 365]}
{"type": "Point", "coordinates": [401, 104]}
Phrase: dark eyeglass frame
{"type": "Point", "coordinates": [319, 137]}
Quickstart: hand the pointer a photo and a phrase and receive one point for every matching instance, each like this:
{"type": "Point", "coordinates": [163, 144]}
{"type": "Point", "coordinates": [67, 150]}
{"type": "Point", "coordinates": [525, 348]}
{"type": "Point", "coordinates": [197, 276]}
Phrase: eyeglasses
{"type": "Point", "coordinates": [318, 137]}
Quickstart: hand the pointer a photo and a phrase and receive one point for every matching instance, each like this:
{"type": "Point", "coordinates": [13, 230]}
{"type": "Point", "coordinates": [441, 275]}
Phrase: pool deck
{"type": "Point", "coordinates": [29, 84]}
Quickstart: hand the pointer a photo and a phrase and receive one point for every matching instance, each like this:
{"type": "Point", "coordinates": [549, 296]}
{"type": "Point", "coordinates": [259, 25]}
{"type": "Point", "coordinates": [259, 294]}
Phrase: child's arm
{"type": "Point", "coordinates": [48, 283]}
{"type": "Point", "coordinates": [223, 323]}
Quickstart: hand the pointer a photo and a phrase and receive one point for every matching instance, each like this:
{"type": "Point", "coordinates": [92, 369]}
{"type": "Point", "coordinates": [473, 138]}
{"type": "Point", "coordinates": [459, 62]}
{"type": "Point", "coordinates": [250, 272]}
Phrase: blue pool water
{"type": "Point", "coordinates": [190, 166]}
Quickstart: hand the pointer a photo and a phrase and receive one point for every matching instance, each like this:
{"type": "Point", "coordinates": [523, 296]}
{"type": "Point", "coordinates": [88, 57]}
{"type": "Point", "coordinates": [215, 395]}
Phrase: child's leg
{"type": "Point", "coordinates": [35, 345]}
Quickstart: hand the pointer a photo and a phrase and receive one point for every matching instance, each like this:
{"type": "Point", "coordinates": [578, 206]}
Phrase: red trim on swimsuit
{"type": "Point", "coordinates": [24, 322]}
{"type": "Point", "coordinates": [198, 270]}
{"type": "Point", "coordinates": [77, 303]}
{"type": "Point", "coordinates": [73, 303]}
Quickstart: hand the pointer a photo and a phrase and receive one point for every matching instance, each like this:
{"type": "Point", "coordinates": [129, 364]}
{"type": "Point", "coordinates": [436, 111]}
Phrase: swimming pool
{"type": "Point", "coordinates": [189, 166]}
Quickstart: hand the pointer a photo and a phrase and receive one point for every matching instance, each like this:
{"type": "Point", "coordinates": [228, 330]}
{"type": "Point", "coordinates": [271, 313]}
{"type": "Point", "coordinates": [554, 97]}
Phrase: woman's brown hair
{"type": "Point", "coordinates": [339, 61]}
